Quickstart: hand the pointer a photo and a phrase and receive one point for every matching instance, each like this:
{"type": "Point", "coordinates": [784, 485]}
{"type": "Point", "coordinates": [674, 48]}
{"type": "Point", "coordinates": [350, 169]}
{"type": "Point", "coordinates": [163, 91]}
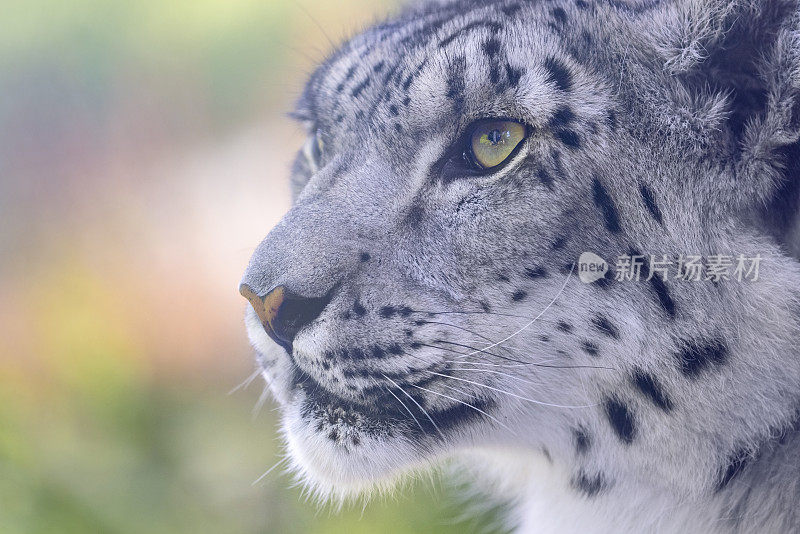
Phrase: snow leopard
{"type": "Point", "coordinates": [424, 300]}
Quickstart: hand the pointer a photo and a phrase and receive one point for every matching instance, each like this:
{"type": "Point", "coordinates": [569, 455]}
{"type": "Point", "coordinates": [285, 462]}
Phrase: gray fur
{"type": "Point", "coordinates": [659, 127]}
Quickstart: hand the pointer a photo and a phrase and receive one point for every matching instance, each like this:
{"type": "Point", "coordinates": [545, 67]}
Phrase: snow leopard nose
{"type": "Point", "coordinates": [284, 313]}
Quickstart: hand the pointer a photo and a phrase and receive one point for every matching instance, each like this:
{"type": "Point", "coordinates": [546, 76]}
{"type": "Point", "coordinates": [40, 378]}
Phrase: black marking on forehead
{"type": "Point", "coordinates": [621, 420]}
{"type": "Point", "coordinates": [491, 47]}
{"type": "Point", "coordinates": [650, 203]}
{"type": "Point", "coordinates": [513, 75]}
{"type": "Point", "coordinates": [495, 27]}
{"type": "Point", "coordinates": [569, 138]}
{"type": "Point", "coordinates": [589, 485]}
{"type": "Point", "coordinates": [562, 118]}
{"type": "Point", "coordinates": [378, 67]}
{"type": "Point", "coordinates": [511, 9]}
{"type": "Point", "coordinates": [583, 441]}
{"type": "Point", "coordinates": [651, 388]}
{"type": "Point", "coordinates": [519, 295]}
{"type": "Point", "coordinates": [590, 348]}
{"type": "Point", "coordinates": [696, 356]}
{"type": "Point", "coordinates": [558, 73]}
{"type": "Point", "coordinates": [456, 85]}
{"type": "Point", "coordinates": [606, 205]}
{"type": "Point", "coordinates": [657, 283]}
{"type": "Point", "coordinates": [605, 326]}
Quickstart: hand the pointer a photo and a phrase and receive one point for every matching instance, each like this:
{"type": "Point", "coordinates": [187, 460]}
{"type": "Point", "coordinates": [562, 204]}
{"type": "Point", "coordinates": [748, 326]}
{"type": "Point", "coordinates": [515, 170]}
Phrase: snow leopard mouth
{"type": "Point", "coordinates": [381, 414]}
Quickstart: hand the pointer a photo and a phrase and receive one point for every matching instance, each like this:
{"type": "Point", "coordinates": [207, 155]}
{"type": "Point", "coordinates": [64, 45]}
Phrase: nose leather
{"type": "Point", "coordinates": [283, 313]}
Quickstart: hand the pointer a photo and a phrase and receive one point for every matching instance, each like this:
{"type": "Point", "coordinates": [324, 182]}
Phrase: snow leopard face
{"type": "Point", "coordinates": [421, 297]}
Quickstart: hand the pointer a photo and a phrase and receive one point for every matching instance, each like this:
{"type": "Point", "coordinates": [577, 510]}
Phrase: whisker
{"type": "Point", "coordinates": [246, 382]}
{"type": "Point", "coordinates": [415, 402]}
{"type": "Point", "coordinates": [466, 404]}
{"type": "Point", "coordinates": [508, 392]}
{"type": "Point", "coordinates": [406, 408]}
{"type": "Point", "coordinates": [270, 470]}
{"type": "Point", "coordinates": [534, 364]}
{"type": "Point", "coordinates": [535, 318]}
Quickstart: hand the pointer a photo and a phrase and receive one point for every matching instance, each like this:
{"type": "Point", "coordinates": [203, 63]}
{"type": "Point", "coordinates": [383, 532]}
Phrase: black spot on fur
{"type": "Point", "coordinates": [559, 243]}
{"type": "Point", "coordinates": [364, 257]}
{"type": "Point", "coordinates": [493, 26]}
{"type": "Point", "coordinates": [569, 138]}
{"type": "Point", "coordinates": [606, 281]}
{"type": "Point", "coordinates": [415, 215]}
{"type": "Point", "coordinates": [562, 118]}
{"type": "Point", "coordinates": [510, 10]}
{"type": "Point", "coordinates": [611, 120]}
{"type": "Point", "coordinates": [737, 463]}
{"type": "Point", "coordinates": [378, 352]}
{"type": "Point", "coordinates": [456, 85]}
{"type": "Point", "coordinates": [359, 309]}
{"type": "Point", "coordinates": [536, 272]}
{"type": "Point", "coordinates": [650, 203]}
{"type": "Point", "coordinates": [621, 420]}
{"type": "Point", "coordinates": [606, 206]}
{"type": "Point", "coordinates": [387, 312]}
{"type": "Point", "coordinates": [590, 348]}
{"type": "Point", "coordinates": [393, 110]}
{"type": "Point", "coordinates": [545, 178]}
{"type": "Point", "coordinates": [558, 73]}
{"type": "Point", "coordinates": [485, 306]}
{"type": "Point", "coordinates": [696, 356]}
{"type": "Point", "coordinates": [519, 295]}
{"type": "Point", "coordinates": [560, 15]}
{"type": "Point", "coordinates": [651, 388]}
{"type": "Point", "coordinates": [657, 283]}
{"type": "Point", "coordinates": [513, 75]}
{"type": "Point", "coordinates": [589, 485]}
{"type": "Point", "coordinates": [564, 326]}
{"type": "Point", "coordinates": [491, 47]}
{"type": "Point", "coordinates": [583, 441]}
{"type": "Point", "coordinates": [581, 4]}
{"type": "Point", "coordinates": [605, 326]}
{"type": "Point", "coordinates": [360, 87]}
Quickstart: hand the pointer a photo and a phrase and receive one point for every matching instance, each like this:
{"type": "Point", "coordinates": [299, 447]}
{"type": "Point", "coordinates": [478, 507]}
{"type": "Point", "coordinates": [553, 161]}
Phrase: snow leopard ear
{"type": "Point", "coordinates": [747, 52]}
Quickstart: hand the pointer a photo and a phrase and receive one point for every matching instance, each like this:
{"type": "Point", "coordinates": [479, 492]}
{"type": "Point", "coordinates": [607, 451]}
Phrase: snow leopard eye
{"type": "Point", "coordinates": [313, 151]}
{"type": "Point", "coordinates": [492, 142]}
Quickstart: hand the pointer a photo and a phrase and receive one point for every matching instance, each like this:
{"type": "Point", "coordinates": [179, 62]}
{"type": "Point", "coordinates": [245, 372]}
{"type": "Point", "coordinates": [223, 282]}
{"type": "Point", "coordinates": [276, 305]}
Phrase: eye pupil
{"type": "Point", "coordinates": [495, 136]}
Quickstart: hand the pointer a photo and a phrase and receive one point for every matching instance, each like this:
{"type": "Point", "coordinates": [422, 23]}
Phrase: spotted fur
{"type": "Point", "coordinates": [449, 321]}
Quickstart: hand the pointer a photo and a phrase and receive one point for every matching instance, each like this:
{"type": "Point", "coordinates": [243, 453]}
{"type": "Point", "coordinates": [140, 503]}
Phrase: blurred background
{"type": "Point", "coordinates": [143, 154]}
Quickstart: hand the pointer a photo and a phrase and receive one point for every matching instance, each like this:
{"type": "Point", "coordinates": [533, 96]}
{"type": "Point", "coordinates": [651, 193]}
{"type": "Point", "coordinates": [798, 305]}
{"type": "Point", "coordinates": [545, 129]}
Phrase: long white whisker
{"type": "Point", "coordinates": [415, 402]}
{"type": "Point", "coordinates": [270, 470]}
{"type": "Point", "coordinates": [246, 382]}
{"type": "Point", "coordinates": [466, 404]}
{"type": "Point", "coordinates": [532, 320]}
{"type": "Point", "coordinates": [508, 392]}
{"type": "Point", "coordinates": [407, 409]}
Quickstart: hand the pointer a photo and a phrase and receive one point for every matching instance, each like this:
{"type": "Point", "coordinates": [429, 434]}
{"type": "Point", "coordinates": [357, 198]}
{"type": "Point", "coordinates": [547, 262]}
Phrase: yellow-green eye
{"type": "Point", "coordinates": [493, 141]}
